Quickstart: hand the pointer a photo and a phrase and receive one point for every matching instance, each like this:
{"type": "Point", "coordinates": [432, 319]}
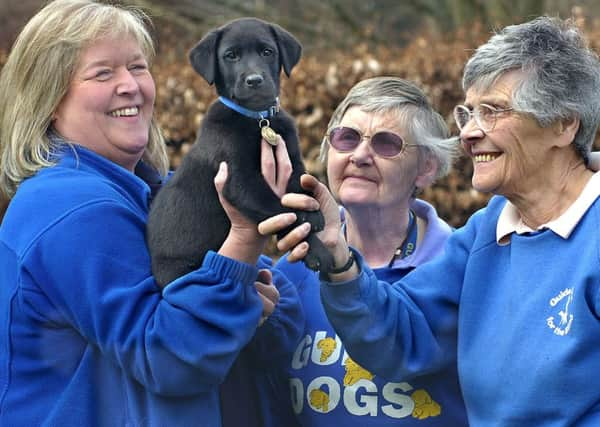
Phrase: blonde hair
{"type": "Point", "coordinates": [37, 75]}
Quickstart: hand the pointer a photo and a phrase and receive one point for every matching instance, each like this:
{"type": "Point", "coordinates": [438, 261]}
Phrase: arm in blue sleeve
{"type": "Point", "coordinates": [94, 276]}
{"type": "Point", "coordinates": [403, 329]}
{"type": "Point", "coordinates": [275, 341]}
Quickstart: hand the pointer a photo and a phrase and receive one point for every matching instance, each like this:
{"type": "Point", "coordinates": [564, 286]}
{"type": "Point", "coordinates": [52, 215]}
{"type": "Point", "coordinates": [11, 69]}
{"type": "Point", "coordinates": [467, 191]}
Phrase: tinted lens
{"type": "Point", "coordinates": [386, 144]}
{"type": "Point", "coordinates": [344, 139]}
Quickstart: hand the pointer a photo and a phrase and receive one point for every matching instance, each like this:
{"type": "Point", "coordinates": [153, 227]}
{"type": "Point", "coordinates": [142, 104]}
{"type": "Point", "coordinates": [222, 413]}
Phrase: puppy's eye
{"type": "Point", "coordinates": [231, 55]}
{"type": "Point", "coordinates": [267, 51]}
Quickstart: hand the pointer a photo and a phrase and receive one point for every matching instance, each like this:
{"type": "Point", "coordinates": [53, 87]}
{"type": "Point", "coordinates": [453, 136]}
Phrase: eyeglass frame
{"type": "Point", "coordinates": [363, 135]}
{"type": "Point", "coordinates": [475, 113]}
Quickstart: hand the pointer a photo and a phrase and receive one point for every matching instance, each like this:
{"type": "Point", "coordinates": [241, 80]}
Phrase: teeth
{"type": "Point", "coordinates": [125, 112]}
{"type": "Point", "coordinates": [484, 157]}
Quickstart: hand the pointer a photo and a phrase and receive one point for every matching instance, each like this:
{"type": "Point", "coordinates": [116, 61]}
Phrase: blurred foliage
{"type": "Point", "coordinates": [320, 81]}
{"type": "Point", "coordinates": [427, 42]}
{"type": "Point", "coordinates": [328, 24]}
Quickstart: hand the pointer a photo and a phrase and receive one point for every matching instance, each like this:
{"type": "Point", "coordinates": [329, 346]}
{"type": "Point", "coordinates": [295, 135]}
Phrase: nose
{"type": "Point", "coordinates": [127, 84]}
{"type": "Point", "coordinates": [471, 133]}
{"type": "Point", "coordinates": [254, 80]}
{"type": "Point", "coordinates": [363, 153]}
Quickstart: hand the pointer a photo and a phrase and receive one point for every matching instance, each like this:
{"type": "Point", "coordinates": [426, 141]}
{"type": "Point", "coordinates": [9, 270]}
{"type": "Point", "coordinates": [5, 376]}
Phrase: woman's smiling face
{"type": "Point", "coordinates": [110, 101]}
{"type": "Point", "coordinates": [509, 159]}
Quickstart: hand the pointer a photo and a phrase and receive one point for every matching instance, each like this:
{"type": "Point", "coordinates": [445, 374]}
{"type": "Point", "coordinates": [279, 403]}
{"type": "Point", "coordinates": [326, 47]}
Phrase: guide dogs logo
{"type": "Point", "coordinates": [561, 302]}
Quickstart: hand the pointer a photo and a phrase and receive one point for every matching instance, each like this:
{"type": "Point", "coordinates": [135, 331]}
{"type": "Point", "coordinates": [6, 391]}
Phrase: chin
{"type": "Point", "coordinates": [482, 186]}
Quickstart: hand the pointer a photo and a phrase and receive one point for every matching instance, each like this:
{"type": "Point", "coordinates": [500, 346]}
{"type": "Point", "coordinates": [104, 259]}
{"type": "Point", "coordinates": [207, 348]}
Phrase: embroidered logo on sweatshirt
{"type": "Point", "coordinates": [561, 323]}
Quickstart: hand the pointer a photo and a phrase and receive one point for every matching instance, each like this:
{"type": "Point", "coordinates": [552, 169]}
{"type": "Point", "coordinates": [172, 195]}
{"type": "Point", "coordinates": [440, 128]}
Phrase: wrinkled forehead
{"type": "Point", "coordinates": [383, 118]}
{"type": "Point", "coordinates": [498, 85]}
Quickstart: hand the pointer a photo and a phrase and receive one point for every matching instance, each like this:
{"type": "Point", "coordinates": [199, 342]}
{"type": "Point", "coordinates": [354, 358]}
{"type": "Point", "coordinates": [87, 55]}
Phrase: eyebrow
{"type": "Point", "coordinates": [490, 100]}
{"type": "Point", "coordinates": [104, 62]}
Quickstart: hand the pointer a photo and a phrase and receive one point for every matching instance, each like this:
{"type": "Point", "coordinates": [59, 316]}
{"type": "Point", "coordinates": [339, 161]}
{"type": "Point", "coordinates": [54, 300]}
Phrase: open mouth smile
{"type": "Point", "coordinates": [125, 112]}
{"type": "Point", "coordinates": [484, 158]}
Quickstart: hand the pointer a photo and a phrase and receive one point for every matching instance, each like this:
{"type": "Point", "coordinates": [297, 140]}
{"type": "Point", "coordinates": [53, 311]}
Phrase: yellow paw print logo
{"type": "Point", "coordinates": [327, 346]}
{"type": "Point", "coordinates": [425, 406]}
{"type": "Point", "coordinates": [319, 400]}
{"type": "Point", "coordinates": [355, 372]}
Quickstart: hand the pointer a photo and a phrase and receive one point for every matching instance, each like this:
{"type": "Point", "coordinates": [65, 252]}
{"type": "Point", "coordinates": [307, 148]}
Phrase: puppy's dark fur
{"type": "Point", "coordinates": [243, 59]}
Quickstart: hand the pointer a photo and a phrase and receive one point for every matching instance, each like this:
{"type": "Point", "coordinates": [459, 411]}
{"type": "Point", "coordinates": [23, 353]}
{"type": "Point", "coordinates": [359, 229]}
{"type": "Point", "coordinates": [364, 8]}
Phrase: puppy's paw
{"type": "Point", "coordinates": [312, 261]}
{"type": "Point", "coordinates": [315, 218]}
{"type": "Point", "coordinates": [318, 257]}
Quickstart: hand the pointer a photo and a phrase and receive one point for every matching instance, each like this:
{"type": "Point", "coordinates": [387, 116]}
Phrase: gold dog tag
{"type": "Point", "coordinates": [269, 135]}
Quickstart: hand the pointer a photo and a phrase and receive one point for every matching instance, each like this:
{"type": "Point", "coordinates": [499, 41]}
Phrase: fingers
{"type": "Point", "coordinates": [221, 177]}
{"type": "Point", "coordinates": [267, 165]}
{"type": "Point", "coordinates": [276, 223]}
{"type": "Point", "coordinates": [284, 166]}
{"type": "Point", "coordinates": [298, 253]}
{"type": "Point", "coordinates": [294, 237]}
{"type": "Point", "coordinates": [268, 293]}
{"type": "Point", "coordinates": [300, 202]}
{"type": "Point", "coordinates": [276, 166]}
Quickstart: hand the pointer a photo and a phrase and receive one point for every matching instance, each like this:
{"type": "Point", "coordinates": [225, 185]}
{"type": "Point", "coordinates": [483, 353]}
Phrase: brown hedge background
{"type": "Point", "coordinates": [320, 81]}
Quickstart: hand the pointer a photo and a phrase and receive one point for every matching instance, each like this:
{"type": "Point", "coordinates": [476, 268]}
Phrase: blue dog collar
{"type": "Point", "coordinates": [259, 115]}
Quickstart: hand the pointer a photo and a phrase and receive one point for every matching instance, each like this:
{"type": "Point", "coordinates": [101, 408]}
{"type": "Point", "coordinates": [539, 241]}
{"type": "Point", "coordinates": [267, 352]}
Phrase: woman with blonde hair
{"type": "Point", "coordinates": [86, 335]}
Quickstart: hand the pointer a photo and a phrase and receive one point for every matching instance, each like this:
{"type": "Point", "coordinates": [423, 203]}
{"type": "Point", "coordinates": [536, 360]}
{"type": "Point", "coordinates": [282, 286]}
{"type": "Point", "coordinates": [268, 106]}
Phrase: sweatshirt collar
{"type": "Point", "coordinates": [510, 220]}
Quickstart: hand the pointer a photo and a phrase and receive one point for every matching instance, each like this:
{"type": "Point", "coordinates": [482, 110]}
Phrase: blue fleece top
{"type": "Point", "coordinates": [328, 387]}
{"type": "Point", "coordinates": [526, 315]}
{"type": "Point", "coordinates": [86, 336]}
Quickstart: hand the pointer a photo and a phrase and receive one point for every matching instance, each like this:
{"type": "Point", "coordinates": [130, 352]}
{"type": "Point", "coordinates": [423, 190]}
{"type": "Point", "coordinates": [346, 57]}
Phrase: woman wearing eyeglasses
{"type": "Point", "coordinates": [515, 297]}
{"type": "Point", "coordinates": [384, 144]}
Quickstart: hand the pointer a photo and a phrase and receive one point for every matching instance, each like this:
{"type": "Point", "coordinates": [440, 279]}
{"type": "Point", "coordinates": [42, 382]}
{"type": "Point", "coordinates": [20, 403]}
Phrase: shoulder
{"type": "Point", "coordinates": [65, 188]}
{"type": "Point", "coordinates": [427, 212]}
{"type": "Point", "coordinates": [54, 197]}
{"type": "Point", "coordinates": [480, 229]}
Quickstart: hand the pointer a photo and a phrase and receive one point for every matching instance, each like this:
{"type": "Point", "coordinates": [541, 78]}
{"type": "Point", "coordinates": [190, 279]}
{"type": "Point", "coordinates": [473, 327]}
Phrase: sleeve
{"type": "Point", "coordinates": [275, 341]}
{"type": "Point", "coordinates": [91, 271]}
{"type": "Point", "coordinates": [406, 328]}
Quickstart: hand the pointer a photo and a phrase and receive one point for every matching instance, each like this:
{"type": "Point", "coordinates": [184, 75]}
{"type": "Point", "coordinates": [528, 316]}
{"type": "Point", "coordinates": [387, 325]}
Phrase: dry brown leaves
{"type": "Point", "coordinates": [318, 84]}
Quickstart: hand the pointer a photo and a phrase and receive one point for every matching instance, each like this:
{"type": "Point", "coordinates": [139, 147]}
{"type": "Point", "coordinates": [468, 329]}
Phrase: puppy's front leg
{"type": "Point", "coordinates": [249, 193]}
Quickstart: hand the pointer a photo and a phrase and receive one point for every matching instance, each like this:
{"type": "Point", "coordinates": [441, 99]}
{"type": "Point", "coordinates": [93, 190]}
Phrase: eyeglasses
{"type": "Point", "coordinates": [485, 116]}
{"type": "Point", "coordinates": [384, 143]}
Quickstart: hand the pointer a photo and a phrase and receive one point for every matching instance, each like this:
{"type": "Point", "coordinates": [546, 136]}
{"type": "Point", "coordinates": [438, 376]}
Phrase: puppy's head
{"type": "Point", "coordinates": [244, 58]}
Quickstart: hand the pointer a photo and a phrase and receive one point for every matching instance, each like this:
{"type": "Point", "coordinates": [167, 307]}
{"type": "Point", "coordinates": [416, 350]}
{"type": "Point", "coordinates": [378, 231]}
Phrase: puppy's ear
{"type": "Point", "coordinates": [203, 56]}
{"type": "Point", "coordinates": [290, 48]}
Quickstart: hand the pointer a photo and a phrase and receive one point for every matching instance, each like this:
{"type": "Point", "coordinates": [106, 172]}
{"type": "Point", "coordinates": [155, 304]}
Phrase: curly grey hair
{"type": "Point", "coordinates": [561, 73]}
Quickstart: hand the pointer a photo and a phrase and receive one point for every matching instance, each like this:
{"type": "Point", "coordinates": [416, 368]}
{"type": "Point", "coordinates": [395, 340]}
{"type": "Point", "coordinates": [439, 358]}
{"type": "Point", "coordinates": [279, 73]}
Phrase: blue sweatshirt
{"type": "Point", "coordinates": [86, 336]}
{"type": "Point", "coordinates": [526, 315]}
{"type": "Point", "coordinates": [327, 387]}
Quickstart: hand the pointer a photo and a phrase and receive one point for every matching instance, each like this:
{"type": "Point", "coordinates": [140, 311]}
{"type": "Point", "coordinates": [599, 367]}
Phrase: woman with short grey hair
{"type": "Point", "coordinates": [384, 143]}
{"type": "Point", "coordinates": [515, 297]}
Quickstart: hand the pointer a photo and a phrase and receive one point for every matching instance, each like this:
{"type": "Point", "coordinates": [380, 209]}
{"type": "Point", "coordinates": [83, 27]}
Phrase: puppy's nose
{"type": "Point", "coordinates": [254, 80]}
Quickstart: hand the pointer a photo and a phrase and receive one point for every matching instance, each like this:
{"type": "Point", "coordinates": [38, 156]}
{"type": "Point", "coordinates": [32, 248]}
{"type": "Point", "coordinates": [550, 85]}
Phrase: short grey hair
{"type": "Point", "coordinates": [422, 123]}
{"type": "Point", "coordinates": [561, 73]}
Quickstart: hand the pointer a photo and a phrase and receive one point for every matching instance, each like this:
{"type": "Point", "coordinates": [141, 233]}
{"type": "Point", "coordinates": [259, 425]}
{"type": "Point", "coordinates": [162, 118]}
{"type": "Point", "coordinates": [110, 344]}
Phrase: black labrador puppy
{"type": "Point", "coordinates": [243, 59]}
